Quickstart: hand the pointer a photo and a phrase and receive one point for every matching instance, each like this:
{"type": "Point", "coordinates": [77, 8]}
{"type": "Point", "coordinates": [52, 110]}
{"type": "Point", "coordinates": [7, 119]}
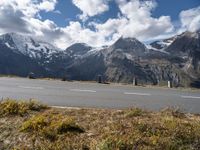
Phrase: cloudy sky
{"type": "Point", "coordinates": [98, 22]}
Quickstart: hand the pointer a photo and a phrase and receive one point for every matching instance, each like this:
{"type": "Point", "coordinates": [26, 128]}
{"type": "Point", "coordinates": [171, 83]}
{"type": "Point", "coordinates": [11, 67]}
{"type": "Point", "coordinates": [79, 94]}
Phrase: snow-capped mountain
{"type": "Point", "coordinates": [27, 45]}
{"type": "Point", "coordinates": [128, 58]}
{"type": "Point", "coordinates": [176, 59]}
{"type": "Point", "coordinates": [162, 44]}
{"type": "Point", "coordinates": [185, 43]}
{"type": "Point", "coordinates": [78, 49]}
{"type": "Point", "coordinates": [129, 45]}
{"type": "Point", "coordinates": [81, 50]}
{"type": "Point", "coordinates": [21, 55]}
{"type": "Point", "coordinates": [119, 62]}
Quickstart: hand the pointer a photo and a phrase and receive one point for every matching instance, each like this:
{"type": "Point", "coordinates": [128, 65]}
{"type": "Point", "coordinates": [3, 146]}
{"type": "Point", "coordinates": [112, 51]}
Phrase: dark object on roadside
{"type": "Point", "coordinates": [195, 84]}
{"type": "Point", "coordinates": [31, 75]}
{"type": "Point", "coordinates": [106, 82]}
{"type": "Point", "coordinates": [170, 84]}
{"type": "Point", "coordinates": [64, 79]}
{"type": "Point", "coordinates": [135, 81]}
{"type": "Point", "coordinates": [99, 78]}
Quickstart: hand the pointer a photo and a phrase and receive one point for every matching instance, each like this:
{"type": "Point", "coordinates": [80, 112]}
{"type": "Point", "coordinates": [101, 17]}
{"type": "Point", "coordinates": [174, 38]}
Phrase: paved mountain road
{"type": "Point", "coordinates": [82, 94]}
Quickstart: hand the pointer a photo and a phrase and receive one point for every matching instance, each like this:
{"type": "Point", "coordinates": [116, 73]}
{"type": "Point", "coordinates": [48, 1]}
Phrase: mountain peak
{"type": "Point", "coordinates": [129, 45]}
{"type": "Point", "coordinates": [195, 34]}
{"type": "Point", "coordinates": [186, 43]}
{"type": "Point", "coordinates": [128, 39]}
{"type": "Point", "coordinates": [78, 49]}
{"type": "Point", "coordinates": [126, 43]}
{"type": "Point", "coordinates": [79, 45]}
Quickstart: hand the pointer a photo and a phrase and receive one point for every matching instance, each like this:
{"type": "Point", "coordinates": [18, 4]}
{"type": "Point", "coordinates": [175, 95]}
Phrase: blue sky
{"type": "Point", "coordinates": [174, 7]}
{"type": "Point", "coordinates": [98, 22]}
{"type": "Point", "coordinates": [69, 11]}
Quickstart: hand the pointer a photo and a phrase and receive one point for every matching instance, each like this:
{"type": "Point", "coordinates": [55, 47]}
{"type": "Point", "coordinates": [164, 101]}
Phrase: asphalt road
{"type": "Point", "coordinates": [80, 94]}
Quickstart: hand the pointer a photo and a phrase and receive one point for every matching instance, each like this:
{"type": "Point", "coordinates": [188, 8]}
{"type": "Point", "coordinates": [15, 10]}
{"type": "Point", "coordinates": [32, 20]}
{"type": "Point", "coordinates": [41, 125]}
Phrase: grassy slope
{"type": "Point", "coordinates": [34, 126]}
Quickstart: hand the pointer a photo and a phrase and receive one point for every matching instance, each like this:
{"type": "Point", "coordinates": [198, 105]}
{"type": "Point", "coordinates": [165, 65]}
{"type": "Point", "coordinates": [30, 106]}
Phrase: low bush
{"type": "Point", "coordinates": [68, 125]}
{"type": "Point", "coordinates": [175, 112]}
{"type": "Point", "coordinates": [13, 107]}
{"type": "Point", "coordinates": [135, 112]}
{"type": "Point", "coordinates": [50, 125]}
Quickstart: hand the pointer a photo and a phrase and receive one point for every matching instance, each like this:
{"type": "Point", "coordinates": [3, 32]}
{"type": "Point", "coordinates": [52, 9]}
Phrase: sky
{"type": "Point", "coordinates": [98, 22]}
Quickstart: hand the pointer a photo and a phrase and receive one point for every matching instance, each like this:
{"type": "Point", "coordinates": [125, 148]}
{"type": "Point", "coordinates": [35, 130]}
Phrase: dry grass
{"type": "Point", "coordinates": [100, 129]}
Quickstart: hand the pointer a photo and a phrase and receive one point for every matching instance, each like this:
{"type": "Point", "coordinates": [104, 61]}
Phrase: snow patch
{"type": "Point", "coordinates": [8, 45]}
{"type": "Point", "coordinates": [164, 44]}
{"type": "Point", "coordinates": [155, 49]}
{"type": "Point", "coordinates": [129, 56]}
{"type": "Point", "coordinates": [32, 47]}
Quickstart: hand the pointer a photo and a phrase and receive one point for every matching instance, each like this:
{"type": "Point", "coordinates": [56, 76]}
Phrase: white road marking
{"type": "Point", "coordinates": [79, 90]}
{"type": "Point", "coordinates": [140, 94]}
{"type": "Point", "coordinates": [64, 107]}
{"type": "Point", "coordinates": [193, 97]}
{"type": "Point", "coordinates": [31, 87]}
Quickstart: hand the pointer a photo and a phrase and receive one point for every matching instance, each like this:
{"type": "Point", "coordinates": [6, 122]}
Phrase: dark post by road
{"type": "Point", "coordinates": [135, 82]}
{"type": "Point", "coordinates": [99, 78]}
{"type": "Point", "coordinates": [169, 84]}
{"type": "Point", "coordinates": [31, 75]}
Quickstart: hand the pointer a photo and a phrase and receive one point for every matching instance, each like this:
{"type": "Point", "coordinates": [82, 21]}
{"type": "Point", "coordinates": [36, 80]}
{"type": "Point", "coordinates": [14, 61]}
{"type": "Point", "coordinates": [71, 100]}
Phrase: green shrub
{"type": "Point", "coordinates": [35, 105]}
{"type": "Point", "coordinates": [50, 125]}
{"type": "Point", "coordinates": [49, 133]}
{"type": "Point", "coordinates": [117, 143]}
{"type": "Point", "coordinates": [35, 123]}
{"type": "Point", "coordinates": [175, 112]}
{"type": "Point", "coordinates": [135, 112]}
{"type": "Point", "coordinates": [68, 125]}
{"type": "Point", "coordinates": [13, 107]}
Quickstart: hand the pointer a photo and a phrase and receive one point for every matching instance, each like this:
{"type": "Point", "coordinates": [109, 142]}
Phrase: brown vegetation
{"type": "Point", "coordinates": [98, 129]}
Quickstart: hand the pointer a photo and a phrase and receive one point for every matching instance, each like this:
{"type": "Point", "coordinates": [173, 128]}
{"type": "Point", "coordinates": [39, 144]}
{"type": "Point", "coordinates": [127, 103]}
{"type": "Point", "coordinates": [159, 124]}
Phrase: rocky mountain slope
{"type": "Point", "coordinates": [13, 62]}
{"type": "Point", "coordinates": [128, 58]}
{"type": "Point", "coordinates": [28, 46]}
{"type": "Point", "coordinates": [176, 59]}
{"type": "Point", "coordinates": [21, 55]}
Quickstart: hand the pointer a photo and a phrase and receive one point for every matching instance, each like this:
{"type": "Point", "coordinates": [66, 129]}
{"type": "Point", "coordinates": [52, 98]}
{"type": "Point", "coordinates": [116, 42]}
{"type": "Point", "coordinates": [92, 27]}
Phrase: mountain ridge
{"type": "Point", "coordinates": [176, 59]}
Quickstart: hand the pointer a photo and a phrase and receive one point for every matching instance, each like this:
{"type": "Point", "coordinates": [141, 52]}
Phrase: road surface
{"type": "Point", "coordinates": [81, 94]}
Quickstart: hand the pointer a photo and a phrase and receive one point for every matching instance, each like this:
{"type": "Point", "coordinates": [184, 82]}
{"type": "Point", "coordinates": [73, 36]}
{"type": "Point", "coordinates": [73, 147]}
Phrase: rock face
{"type": "Point", "coordinates": [187, 47]}
{"type": "Point", "coordinates": [128, 58]}
{"type": "Point", "coordinates": [28, 46]}
{"type": "Point", "coordinates": [24, 54]}
{"type": "Point", "coordinates": [130, 46]}
{"type": "Point", "coordinates": [176, 59]}
{"type": "Point", "coordinates": [15, 63]}
{"type": "Point", "coordinates": [78, 49]}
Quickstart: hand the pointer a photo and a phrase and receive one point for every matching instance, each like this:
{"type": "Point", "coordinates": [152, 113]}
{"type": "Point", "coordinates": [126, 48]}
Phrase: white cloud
{"type": "Point", "coordinates": [91, 7]}
{"type": "Point", "coordinates": [21, 16]}
{"type": "Point", "coordinates": [47, 5]}
{"type": "Point", "coordinates": [30, 8]}
{"type": "Point", "coordinates": [75, 33]}
{"type": "Point", "coordinates": [12, 20]}
{"type": "Point", "coordinates": [57, 12]}
{"type": "Point", "coordinates": [190, 19]}
{"type": "Point", "coordinates": [136, 21]}
{"type": "Point", "coordinates": [136, 9]}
